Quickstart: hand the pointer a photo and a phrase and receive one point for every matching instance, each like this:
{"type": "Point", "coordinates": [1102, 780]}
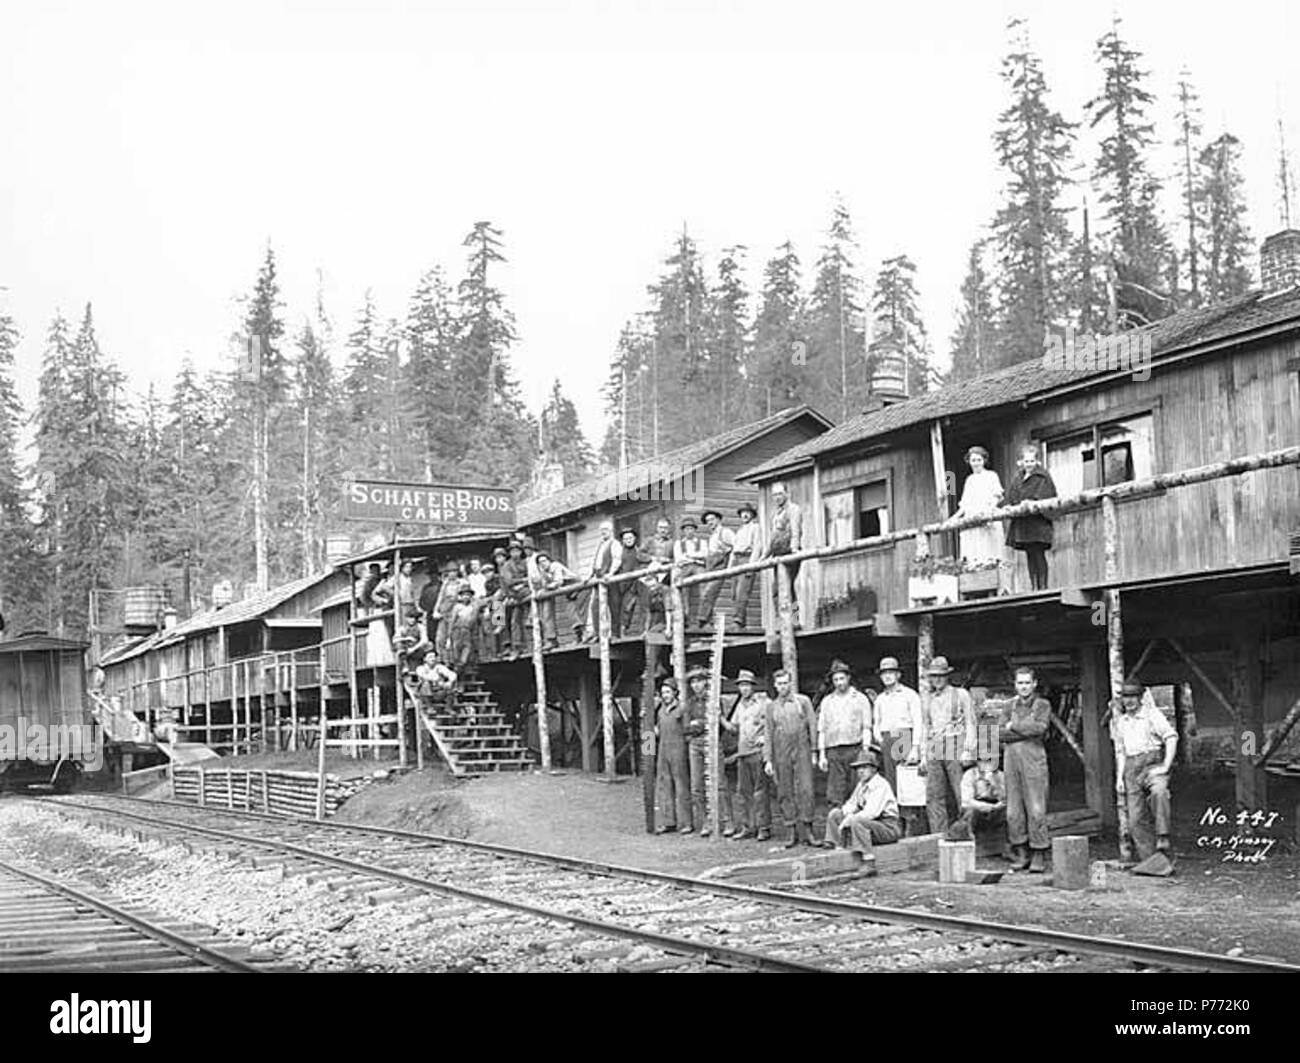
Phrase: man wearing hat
{"type": "Point", "coordinates": [744, 549]}
{"type": "Point", "coordinates": [788, 751]}
{"type": "Point", "coordinates": [786, 537]}
{"type": "Point", "coordinates": [948, 742]}
{"type": "Point", "coordinates": [1145, 747]}
{"type": "Point", "coordinates": [689, 555]}
{"type": "Point", "coordinates": [1021, 730]}
{"type": "Point", "coordinates": [897, 720]}
{"type": "Point", "coordinates": [660, 550]}
{"type": "Point", "coordinates": [753, 798]}
{"type": "Point", "coordinates": [551, 576]}
{"type": "Point", "coordinates": [463, 630]}
{"type": "Point", "coordinates": [672, 774]}
{"type": "Point", "coordinates": [844, 721]}
{"type": "Point", "coordinates": [585, 626]}
{"type": "Point", "coordinates": [629, 598]}
{"type": "Point", "coordinates": [718, 544]}
{"type": "Point", "coordinates": [428, 602]}
{"type": "Point", "coordinates": [870, 816]}
{"type": "Point", "coordinates": [514, 586]}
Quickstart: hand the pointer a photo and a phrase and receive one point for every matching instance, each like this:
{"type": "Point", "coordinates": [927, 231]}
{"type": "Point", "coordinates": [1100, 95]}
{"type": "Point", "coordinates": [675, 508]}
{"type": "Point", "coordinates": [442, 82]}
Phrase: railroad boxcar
{"type": "Point", "coordinates": [47, 735]}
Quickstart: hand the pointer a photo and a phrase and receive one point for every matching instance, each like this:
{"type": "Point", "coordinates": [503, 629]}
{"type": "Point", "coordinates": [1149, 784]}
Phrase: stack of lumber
{"type": "Point", "coordinates": [285, 793]}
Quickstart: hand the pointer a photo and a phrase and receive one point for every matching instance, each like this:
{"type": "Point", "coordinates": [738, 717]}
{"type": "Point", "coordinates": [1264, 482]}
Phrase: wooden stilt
{"type": "Point", "coordinates": [606, 690]}
{"type": "Point", "coordinates": [1094, 695]}
{"type": "Point", "coordinates": [1248, 693]}
{"type": "Point", "coordinates": [321, 742]}
{"type": "Point", "coordinates": [648, 742]}
{"type": "Point", "coordinates": [785, 611]}
{"type": "Point", "coordinates": [293, 705]}
{"type": "Point", "coordinates": [588, 708]}
{"type": "Point", "coordinates": [1115, 652]}
{"type": "Point", "coordinates": [679, 635]}
{"type": "Point", "coordinates": [713, 768]}
{"type": "Point", "coordinates": [539, 684]}
{"type": "Point", "coordinates": [924, 650]}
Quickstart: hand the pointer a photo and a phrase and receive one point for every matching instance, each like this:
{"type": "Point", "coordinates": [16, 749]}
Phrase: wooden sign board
{"type": "Point", "coordinates": [379, 501]}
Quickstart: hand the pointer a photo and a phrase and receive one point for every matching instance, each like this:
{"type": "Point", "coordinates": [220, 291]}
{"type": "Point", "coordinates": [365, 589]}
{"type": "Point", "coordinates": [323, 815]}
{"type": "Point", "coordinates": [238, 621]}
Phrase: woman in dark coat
{"type": "Point", "coordinates": [1032, 534]}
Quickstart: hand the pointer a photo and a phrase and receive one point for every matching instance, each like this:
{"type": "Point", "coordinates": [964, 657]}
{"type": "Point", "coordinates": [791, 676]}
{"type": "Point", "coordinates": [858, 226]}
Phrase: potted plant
{"type": "Point", "coordinates": [979, 577]}
{"type": "Point", "coordinates": [934, 580]}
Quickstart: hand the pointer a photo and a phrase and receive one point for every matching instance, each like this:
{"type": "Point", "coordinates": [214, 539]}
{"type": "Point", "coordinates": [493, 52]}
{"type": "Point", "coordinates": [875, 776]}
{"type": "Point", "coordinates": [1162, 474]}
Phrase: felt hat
{"type": "Point", "coordinates": [939, 666]}
{"type": "Point", "coordinates": [697, 672]}
{"type": "Point", "coordinates": [870, 758]}
{"type": "Point", "coordinates": [839, 666]}
{"type": "Point", "coordinates": [745, 676]}
{"type": "Point", "coordinates": [745, 507]}
{"type": "Point", "coordinates": [629, 531]}
{"type": "Point", "coordinates": [688, 522]}
{"type": "Point", "coordinates": [888, 664]}
{"type": "Point", "coordinates": [711, 513]}
{"type": "Point", "coordinates": [670, 682]}
{"type": "Point", "coordinates": [515, 544]}
{"type": "Point", "coordinates": [529, 544]}
{"type": "Point", "coordinates": [1132, 686]}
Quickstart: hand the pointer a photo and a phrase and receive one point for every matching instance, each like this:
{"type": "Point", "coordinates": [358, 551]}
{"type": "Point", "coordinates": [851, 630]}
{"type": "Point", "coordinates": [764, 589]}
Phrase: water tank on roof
{"type": "Point", "coordinates": [141, 606]}
{"type": "Point", "coordinates": [223, 593]}
{"type": "Point", "coordinates": [337, 548]}
{"type": "Point", "coordinates": [889, 378]}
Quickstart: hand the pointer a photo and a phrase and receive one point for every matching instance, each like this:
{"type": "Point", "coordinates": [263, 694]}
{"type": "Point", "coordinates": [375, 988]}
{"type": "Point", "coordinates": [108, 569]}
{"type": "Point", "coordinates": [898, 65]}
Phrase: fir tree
{"type": "Point", "coordinates": [836, 340]}
{"type": "Point", "coordinates": [897, 315]}
{"type": "Point", "coordinates": [563, 442]}
{"type": "Point", "coordinates": [431, 332]}
{"type": "Point", "coordinates": [263, 321]}
{"type": "Point", "coordinates": [973, 341]}
{"type": "Point", "coordinates": [728, 338]}
{"type": "Point", "coordinates": [1033, 240]}
{"type": "Point", "coordinates": [364, 384]}
{"type": "Point", "coordinates": [21, 586]}
{"type": "Point", "coordinates": [628, 433]}
{"type": "Point", "coordinates": [780, 348]}
{"type": "Point", "coordinates": [1189, 132]}
{"type": "Point", "coordinates": [1221, 198]}
{"type": "Point", "coordinates": [680, 373]}
{"type": "Point", "coordinates": [1139, 249]}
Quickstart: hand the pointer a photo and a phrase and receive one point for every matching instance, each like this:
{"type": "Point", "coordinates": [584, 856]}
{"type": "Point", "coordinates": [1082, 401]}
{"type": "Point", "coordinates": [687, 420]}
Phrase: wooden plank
{"type": "Point", "coordinates": [1248, 691]}
{"type": "Point", "coordinates": [785, 610]}
{"type": "Point", "coordinates": [1206, 681]}
{"type": "Point", "coordinates": [1279, 735]}
{"type": "Point", "coordinates": [1094, 689]}
{"type": "Point", "coordinates": [713, 777]}
{"type": "Point", "coordinates": [539, 685]}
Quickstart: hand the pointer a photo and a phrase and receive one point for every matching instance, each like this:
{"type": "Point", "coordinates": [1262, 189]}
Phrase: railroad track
{"type": "Point", "coordinates": [49, 926]}
{"type": "Point", "coordinates": [696, 920]}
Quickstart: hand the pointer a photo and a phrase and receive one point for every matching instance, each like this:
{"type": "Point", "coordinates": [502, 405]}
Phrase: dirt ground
{"type": "Point", "coordinates": [1208, 904]}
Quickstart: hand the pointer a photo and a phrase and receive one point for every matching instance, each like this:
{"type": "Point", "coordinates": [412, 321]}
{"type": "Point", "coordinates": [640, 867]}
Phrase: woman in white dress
{"type": "Point", "coordinates": [982, 493]}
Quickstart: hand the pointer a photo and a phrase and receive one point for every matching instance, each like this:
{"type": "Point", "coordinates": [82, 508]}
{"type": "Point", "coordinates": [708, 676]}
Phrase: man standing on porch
{"type": "Point", "coordinates": [586, 627]}
{"type": "Point", "coordinates": [785, 537]}
{"type": "Point", "coordinates": [717, 554]}
{"type": "Point", "coordinates": [744, 549]}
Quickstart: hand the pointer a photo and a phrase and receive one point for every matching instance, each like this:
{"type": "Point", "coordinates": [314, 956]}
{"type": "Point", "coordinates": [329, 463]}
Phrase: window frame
{"type": "Point", "coordinates": [1048, 435]}
{"type": "Point", "coordinates": [855, 484]}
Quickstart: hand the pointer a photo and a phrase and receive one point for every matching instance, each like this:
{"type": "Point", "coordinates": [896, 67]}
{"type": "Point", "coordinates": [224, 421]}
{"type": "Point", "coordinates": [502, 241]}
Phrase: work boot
{"type": "Point", "coordinates": [742, 834]}
{"type": "Point", "coordinates": [794, 837]}
{"type": "Point", "coordinates": [809, 838]}
{"type": "Point", "coordinates": [1021, 861]}
{"type": "Point", "coordinates": [1038, 862]}
{"type": "Point", "coordinates": [764, 835]}
{"type": "Point", "coordinates": [1162, 844]}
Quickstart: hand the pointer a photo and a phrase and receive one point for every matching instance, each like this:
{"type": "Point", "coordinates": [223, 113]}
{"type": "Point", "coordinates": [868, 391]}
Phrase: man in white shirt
{"type": "Point", "coordinates": [843, 729]}
{"type": "Point", "coordinates": [718, 545]}
{"type": "Point", "coordinates": [744, 549]}
{"type": "Point", "coordinates": [897, 721]}
{"type": "Point", "coordinates": [689, 555]}
{"type": "Point", "coordinates": [1145, 746]}
{"type": "Point", "coordinates": [606, 559]}
{"type": "Point", "coordinates": [870, 816]}
{"type": "Point", "coordinates": [551, 576]}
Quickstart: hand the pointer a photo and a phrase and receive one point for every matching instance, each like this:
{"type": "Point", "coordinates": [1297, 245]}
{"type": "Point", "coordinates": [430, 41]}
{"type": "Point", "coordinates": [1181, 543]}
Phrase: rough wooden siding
{"type": "Point", "coordinates": [1208, 410]}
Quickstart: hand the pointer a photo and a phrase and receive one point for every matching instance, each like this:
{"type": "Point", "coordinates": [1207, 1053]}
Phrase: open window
{"type": "Point", "coordinates": [1105, 454]}
{"type": "Point", "coordinates": [858, 512]}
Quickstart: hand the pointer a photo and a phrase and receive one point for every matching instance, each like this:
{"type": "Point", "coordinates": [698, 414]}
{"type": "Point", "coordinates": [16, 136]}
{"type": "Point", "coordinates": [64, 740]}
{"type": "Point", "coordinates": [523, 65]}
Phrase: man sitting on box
{"type": "Point", "coordinates": [983, 801]}
{"type": "Point", "coordinates": [870, 815]}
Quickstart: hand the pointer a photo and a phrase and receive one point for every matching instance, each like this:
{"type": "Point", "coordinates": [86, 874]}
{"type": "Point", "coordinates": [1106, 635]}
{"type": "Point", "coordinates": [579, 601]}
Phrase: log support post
{"type": "Point", "coordinates": [1094, 697]}
{"type": "Point", "coordinates": [606, 686]}
{"type": "Point", "coordinates": [785, 611]}
{"type": "Point", "coordinates": [539, 683]}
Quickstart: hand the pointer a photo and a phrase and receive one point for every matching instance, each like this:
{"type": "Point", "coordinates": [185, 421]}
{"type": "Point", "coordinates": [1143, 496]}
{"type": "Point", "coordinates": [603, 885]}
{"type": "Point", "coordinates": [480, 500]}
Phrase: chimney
{"type": "Point", "coordinates": [1279, 262]}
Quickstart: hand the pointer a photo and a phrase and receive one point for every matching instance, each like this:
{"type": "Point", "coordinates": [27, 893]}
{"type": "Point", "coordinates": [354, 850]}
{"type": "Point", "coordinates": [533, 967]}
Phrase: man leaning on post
{"type": "Point", "coordinates": [1145, 746]}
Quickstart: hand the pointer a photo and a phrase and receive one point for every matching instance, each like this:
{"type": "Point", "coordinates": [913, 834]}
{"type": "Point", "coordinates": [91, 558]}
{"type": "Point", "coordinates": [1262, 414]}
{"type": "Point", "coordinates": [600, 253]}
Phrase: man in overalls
{"type": "Point", "coordinates": [788, 751]}
{"type": "Point", "coordinates": [1021, 729]}
{"type": "Point", "coordinates": [1145, 746]}
{"type": "Point", "coordinates": [673, 774]}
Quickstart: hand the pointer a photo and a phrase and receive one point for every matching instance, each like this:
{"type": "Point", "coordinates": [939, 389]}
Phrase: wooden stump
{"type": "Point", "coordinates": [1070, 864]}
{"type": "Point", "coordinates": [955, 859]}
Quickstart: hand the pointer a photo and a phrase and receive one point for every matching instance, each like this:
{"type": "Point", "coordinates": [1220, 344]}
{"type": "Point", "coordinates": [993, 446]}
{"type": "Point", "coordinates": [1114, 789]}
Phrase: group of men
{"type": "Point", "coordinates": [864, 741]}
{"type": "Point", "coordinates": [703, 545]}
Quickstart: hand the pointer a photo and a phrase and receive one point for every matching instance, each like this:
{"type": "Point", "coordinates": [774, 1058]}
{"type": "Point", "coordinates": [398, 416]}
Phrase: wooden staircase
{"type": "Point", "coordinates": [472, 735]}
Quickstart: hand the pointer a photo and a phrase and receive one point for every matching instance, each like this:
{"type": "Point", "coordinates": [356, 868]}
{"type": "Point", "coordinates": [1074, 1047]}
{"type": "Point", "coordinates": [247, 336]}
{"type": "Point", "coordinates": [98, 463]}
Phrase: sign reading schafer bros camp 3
{"type": "Point", "coordinates": [392, 503]}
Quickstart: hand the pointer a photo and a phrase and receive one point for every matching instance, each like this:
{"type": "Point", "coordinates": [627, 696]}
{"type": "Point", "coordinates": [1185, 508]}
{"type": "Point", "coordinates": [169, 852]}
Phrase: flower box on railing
{"type": "Point", "coordinates": [979, 581]}
{"type": "Point", "coordinates": [938, 588]}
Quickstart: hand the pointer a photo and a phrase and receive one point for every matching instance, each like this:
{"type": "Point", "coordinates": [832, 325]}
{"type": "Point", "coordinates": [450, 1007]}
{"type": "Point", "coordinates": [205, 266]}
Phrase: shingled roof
{"type": "Point", "coordinates": [1016, 383]}
{"type": "Point", "coordinates": [210, 619]}
{"type": "Point", "coordinates": [641, 474]}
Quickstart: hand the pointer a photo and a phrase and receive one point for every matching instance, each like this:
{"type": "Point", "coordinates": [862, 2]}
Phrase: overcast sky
{"type": "Point", "coordinates": [152, 150]}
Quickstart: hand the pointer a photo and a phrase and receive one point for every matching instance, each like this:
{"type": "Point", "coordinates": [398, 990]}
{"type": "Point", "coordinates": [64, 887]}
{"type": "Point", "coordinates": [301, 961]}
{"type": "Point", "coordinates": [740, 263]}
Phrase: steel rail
{"type": "Point", "coordinates": [194, 950]}
{"type": "Point", "coordinates": [722, 954]}
{"type": "Point", "coordinates": [1065, 941]}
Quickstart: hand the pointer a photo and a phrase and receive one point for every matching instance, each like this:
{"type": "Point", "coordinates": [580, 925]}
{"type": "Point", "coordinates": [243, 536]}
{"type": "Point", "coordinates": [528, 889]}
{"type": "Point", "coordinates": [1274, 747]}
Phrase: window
{"type": "Point", "coordinates": [857, 513]}
{"type": "Point", "coordinates": [1127, 450]}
